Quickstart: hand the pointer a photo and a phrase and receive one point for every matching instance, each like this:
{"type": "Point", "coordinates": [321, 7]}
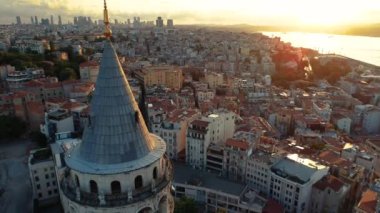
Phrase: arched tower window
{"type": "Point", "coordinates": [93, 187]}
{"type": "Point", "coordinates": [77, 180]}
{"type": "Point", "coordinates": [155, 173]}
{"type": "Point", "coordinates": [115, 187]}
{"type": "Point", "coordinates": [138, 182]}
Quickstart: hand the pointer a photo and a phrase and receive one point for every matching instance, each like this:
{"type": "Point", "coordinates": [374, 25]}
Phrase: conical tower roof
{"type": "Point", "coordinates": [116, 132]}
{"type": "Point", "coordinates": [116, 138]}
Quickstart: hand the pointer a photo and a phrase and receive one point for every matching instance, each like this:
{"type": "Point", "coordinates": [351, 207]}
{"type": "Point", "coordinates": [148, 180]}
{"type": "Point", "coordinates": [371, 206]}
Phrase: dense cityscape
{"type": "Point", "coordinates": [147, 116]}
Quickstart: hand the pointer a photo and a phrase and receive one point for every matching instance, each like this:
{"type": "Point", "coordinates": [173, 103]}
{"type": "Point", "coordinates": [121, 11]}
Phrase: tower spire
{"type": "Point", "coordinates": [107, 30]}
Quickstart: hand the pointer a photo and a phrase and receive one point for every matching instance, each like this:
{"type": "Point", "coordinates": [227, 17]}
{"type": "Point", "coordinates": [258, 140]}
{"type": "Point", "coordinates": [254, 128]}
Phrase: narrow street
{"type": "Point", "coordinates": [15, 187]}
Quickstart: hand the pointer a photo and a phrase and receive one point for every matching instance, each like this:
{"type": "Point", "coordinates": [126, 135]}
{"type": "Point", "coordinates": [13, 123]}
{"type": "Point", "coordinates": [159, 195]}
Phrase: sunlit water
{"type": "Point", "coordinates": [362, 48]}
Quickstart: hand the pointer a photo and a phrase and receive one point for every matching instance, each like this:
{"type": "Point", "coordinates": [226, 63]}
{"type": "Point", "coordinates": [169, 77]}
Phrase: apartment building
{"type": "Point", "coordinates": [43, 176]}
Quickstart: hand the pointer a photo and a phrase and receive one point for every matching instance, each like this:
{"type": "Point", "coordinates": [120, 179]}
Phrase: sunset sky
{"type": "Point", "coordinates": [255, 12]}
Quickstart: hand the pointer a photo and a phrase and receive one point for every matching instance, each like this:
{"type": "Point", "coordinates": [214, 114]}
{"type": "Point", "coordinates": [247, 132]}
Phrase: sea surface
{"type": "Point", "coordinates": [361, 48]}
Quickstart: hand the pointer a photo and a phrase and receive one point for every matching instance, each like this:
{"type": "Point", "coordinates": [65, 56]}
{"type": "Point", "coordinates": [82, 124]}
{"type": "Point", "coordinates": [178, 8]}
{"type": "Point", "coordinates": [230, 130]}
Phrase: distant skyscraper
{"type": "Point", "coordinates": [136, 22]}
{"type": "Point", "coordinates": [59, 20]}
{"type": "Point", "coordinates": [89, 20]}
{"type": "Point", "coordinates": [35, 20]}
{"type": "Point", "coordinates": [159, 22]}
{"type": "Point", "coordinates": [18, 20]}
{"type": "Point", "coordinates": [116, 21]}
{"type": "Point", "coordinates": [170, 23]}
{"type": "Point", "coordinates": [45, 21]}
{"type": "Point", "coordinates": [52, 20]}
{"type": "Point", "coordinates": [129, 22]}
{"type": "Point", "coordinates": [31, 20]}
{"type": "Point", "coordinates": [75, 20]}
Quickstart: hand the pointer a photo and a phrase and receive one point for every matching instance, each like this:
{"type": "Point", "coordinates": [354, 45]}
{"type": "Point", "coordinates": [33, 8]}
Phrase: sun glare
{"type": "Point", "coordinates": [323, 13]}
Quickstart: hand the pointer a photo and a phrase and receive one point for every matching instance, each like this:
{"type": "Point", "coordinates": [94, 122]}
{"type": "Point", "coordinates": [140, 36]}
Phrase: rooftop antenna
{"type": "Point", "coordinates": [107, 30]}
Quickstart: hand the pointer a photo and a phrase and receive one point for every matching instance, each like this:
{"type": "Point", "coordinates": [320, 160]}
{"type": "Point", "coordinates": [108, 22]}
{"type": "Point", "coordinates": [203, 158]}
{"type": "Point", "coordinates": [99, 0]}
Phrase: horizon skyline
{"type": "Point", "coordinates": [290, 12]}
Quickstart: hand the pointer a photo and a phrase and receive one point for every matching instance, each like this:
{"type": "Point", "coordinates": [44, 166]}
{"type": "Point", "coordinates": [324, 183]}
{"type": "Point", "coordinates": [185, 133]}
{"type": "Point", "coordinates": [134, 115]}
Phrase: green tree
{"type": "Point", "coordinates": [67, 74]}
{"type": "Point", "coordinates": [332, 71]}
{"type": "Point", "coordinates": [185, 205]}
{"type": "Point", "coordinates": [11, 127]}
{"type": "Point", "coordinates": [39, 138]}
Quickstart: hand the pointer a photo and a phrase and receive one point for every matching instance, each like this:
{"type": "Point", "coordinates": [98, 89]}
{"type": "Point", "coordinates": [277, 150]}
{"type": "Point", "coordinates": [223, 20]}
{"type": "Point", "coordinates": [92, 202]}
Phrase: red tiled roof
{"type": "Point", "coordinates": [56, 100]}
{"type": "Point", "coordinates": [333, 159]}
{"type": "Point", "coordinates": [329, 182]}
{"type": "Point", "coordinates": [180, 114]}
{"type": "Point", "coordinates": [71, 105]}
{"type": "Point", "coordinates": [273, 206]}
{"type": "Point", "coordinates": [237, 143]}
{"type": "Point", "coordinates": [6, 97]}
{"type": "Point", "coordinates": [52, 85]}
{"type": "Point", "coordinates": [89, 64]}
{"type": "Point", "coordinates": [67, 82]}
{"type": "Point", "coordinates": [33, 83]}
{"type": "Point", "coordinates": [36, 107]}
{"type": "Point", "coordinates": [82, 88]}
{"type": "Point", "coordinates": [200, 123]}
{"type": "Point", "coordinates": [368, 201]}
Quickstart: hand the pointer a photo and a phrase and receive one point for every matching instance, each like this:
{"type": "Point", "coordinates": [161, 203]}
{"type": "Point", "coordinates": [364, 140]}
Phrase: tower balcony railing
{"type": "Point", "coordinates": [111, 200]}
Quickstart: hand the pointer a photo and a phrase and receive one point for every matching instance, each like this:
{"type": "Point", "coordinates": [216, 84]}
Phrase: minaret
{"type": "Point", "coordinates": [119, 166]}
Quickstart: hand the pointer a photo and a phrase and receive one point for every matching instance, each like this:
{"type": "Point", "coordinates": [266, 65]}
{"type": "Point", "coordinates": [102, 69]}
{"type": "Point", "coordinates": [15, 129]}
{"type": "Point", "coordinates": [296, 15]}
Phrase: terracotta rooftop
{"type": "Point", "coordinates": [72, 105]}
{"type": "Point", "coordinates": [36, 107]}
{"type": "Point", "coordinates": [33, 83]}
{"type": "Point", "coordinates": [329, 182]}
{"type": "Point", "coordinates": [53, 85]}
{"type": "Point", "coordinates": [368, 202]}
{"type": "Point", "coordinates": [82, 88]}
{"type": "Point", "coordinates": [74, 81]}
{"type": "Point", "coordinates": [241, 144]}
{"type": "Point", "coordinates": [273, 206]}
{"type": "Point", "coordinates": [19, 94]}
{"type": "Point", "coordinates": [332, 158]}
{"type": "Point", "coordinates": [89, 64]}
{"type": "Point", "coordinates": [56, 100]}
{"type": "Point", "coordinates": [200, 123]}
{"type": "Point", "coordinates": [180, 114]}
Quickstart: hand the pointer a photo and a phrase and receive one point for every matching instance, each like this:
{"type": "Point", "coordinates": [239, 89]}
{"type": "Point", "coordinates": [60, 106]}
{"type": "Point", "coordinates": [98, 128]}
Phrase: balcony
{"type": "Point", "coordinates": [112, 200]}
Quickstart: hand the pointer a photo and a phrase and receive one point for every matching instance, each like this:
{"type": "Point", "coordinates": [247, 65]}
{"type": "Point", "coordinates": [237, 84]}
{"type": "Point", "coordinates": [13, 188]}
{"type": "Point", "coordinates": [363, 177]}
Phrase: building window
{"type": "Point", "coordinates": [47, 176]}
{"type": "Point", "coordinates": [93, 187]}
{"type": "Point", "coordinates": [38, 186]}
{"type": "Point", "coordinates": [39, 195]}
{"type": "Point", "coordinates": [37, 178]}
{"type": "Point", "coordinates": [138, 182]}
{"type": "Point", "coordinates": [115, 187]}
{"type": "Point", "coordinates": [155, 172]}
{"type": "Point", "coordinates": [47, 184]}
{"type": "Point", "coordinates": [49, 192]}
{"type": "Point", "coordinates": [55, 191]}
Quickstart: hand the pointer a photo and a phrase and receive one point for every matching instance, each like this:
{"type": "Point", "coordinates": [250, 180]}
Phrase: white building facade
{"type": "Point", "coordinates": [43, 177]}
{"type": "Point", "coordinates": [291, 181]}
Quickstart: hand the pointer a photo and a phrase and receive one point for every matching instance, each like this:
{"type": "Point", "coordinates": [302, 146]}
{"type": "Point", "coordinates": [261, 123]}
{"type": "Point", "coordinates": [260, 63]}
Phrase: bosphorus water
{"type": "Point", "coordinates": [362, 48]}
